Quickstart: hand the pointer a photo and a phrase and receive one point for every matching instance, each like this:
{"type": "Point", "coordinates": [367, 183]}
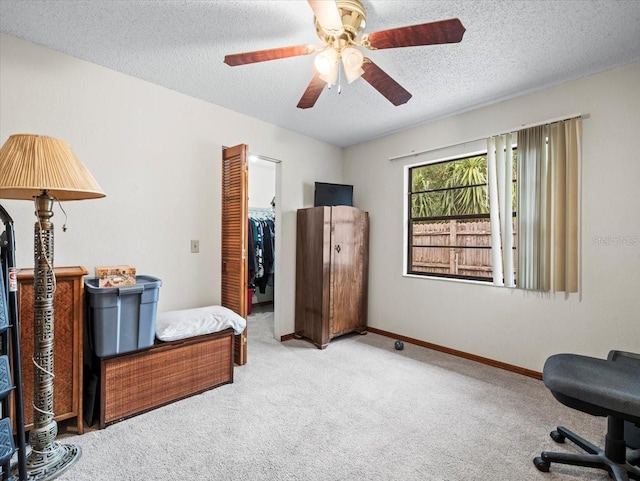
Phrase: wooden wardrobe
{"type": "Point", "coordinates": [332, 254]}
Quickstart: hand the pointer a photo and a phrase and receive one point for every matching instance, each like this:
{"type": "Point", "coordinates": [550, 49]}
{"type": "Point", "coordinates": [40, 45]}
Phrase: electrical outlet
{"type": "Point", "coordinates": [195, 246]}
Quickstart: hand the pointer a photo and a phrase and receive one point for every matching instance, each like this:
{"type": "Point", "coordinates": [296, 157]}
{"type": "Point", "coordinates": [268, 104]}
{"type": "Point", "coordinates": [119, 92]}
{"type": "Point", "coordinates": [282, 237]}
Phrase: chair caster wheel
{"type": "Point", "coordinates": [557, 437]}
{"type": "Point", "coordinates": [541, 464]}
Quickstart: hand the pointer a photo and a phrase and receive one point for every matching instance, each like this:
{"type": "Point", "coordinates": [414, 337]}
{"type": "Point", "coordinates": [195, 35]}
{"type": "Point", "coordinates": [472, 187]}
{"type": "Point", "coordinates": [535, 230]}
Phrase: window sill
{"type": "Point", "coordinates": [450, 279]}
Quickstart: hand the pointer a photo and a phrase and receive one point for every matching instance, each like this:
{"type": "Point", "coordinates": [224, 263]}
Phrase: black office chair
{"type": "Point", "coordinates": [600, 387]}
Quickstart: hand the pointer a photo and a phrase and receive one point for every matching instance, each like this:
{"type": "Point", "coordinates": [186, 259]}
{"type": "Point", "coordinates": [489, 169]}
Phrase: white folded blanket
{"type": "Point", "coordinates": [173, 325]}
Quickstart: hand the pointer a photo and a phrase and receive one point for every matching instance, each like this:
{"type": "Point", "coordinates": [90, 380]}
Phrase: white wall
{"type": "Point", "coordinates": [262, 182]}
{"type": "Point", "coordinates": [507, 325]}
{"type": "Point", "coordinates": [156, 153]}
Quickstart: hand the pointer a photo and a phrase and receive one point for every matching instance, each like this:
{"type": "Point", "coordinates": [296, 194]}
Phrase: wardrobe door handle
{"type": "Point", "coordinates": [338, 248]}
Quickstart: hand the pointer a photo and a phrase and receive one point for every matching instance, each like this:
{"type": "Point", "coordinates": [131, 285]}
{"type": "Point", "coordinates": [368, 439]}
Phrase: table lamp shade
{"type": "Point", "coordinates": [30, 164]}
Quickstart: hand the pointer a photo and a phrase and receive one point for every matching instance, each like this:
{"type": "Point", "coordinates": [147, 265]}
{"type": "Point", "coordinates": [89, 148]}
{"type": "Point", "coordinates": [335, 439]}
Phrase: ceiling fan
{"type": "Point", "coordinates": [339, 24]}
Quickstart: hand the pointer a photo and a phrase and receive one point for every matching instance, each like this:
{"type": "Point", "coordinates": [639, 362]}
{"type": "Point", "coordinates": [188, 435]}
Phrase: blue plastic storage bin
{"type": "Point", "coordinates": [121, 319]}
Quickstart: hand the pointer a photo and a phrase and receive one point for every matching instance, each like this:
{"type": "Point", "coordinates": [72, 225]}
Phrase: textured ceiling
{"type": "Point", "coordinates": [510, 47]}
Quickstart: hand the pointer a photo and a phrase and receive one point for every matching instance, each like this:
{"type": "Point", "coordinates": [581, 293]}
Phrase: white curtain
{"type": "Point", "coordinates": [500, 180]}
{"type": "Point", "coordinates": [549, 159]}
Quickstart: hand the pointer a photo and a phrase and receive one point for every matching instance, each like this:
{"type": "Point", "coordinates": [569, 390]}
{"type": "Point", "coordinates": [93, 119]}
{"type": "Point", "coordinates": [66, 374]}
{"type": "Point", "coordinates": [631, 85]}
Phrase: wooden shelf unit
{"type": "Point", "coordinates": [68, 343]}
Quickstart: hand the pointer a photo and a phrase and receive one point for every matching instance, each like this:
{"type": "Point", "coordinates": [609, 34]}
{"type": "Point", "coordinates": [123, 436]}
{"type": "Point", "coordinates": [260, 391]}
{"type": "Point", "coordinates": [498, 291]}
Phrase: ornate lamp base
{"type": "Point", "coordinates": [50, 465]}
{"type": "Point", "coordinates": [47, 459]}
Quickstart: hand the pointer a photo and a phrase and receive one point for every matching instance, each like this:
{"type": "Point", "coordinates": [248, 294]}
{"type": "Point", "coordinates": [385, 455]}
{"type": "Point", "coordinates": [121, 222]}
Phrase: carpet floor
{"type": "Point", "coordinates": [358, 410]}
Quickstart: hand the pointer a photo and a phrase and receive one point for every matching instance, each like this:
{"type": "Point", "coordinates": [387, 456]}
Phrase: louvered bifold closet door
{"type": "Point", "coordinates": [234, 238]}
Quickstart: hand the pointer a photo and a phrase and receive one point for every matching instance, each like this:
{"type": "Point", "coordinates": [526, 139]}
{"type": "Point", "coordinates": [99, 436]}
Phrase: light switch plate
{"type": "Point", "coordinates": [195, 246]}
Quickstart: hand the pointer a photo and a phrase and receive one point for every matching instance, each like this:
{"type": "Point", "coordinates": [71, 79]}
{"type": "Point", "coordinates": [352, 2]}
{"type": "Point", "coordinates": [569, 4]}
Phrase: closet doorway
{"type": "Point", "coordinates": [234, 231]}
{"type": "Point", "coordinates": [262, 234]}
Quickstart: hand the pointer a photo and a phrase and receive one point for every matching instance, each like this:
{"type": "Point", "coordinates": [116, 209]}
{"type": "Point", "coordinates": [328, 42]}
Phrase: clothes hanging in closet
{"type": "Point", "coordinates": [261, 254]}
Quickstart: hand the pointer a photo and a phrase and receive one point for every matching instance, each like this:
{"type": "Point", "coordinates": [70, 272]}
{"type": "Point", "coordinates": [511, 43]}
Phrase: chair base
{"type": "Point", "coordinates": [595, 457]}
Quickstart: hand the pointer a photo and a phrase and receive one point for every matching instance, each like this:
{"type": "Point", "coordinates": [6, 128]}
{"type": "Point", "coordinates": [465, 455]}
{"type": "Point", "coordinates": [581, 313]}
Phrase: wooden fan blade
{"type": "Point", "coordinates": [444, 31]}
{"type": "Point", "coordinates": [314, 89]}
{"type": "Point", "coordinates": [269, 54]}
{"type": "Point", "coordinates": [328, 16]}
{"type": "Point", "coordinates": [380, 80]}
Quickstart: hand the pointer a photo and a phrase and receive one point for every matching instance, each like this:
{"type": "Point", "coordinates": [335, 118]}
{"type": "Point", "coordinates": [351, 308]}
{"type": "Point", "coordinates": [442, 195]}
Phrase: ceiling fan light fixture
{"type": "Point", "coordinates": [352, 60]}
{"type": "Point", "coordinates": [326, 61]}
{"type": "Point", "coordinates": [352, 75]}
{"type": "Point", "coordinates": [332, 77]}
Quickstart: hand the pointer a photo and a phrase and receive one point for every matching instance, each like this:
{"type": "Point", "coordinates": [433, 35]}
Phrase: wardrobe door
{"type": "Point", "coordinates": [313, 255]}
{"type": "Point", "coordinates": [349, 241]}
{"type": "Point", "coordinates": [235, 218]}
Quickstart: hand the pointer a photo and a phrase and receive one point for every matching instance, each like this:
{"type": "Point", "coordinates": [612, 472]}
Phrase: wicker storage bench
{"type": "Point", "coordinates": [133, 383]}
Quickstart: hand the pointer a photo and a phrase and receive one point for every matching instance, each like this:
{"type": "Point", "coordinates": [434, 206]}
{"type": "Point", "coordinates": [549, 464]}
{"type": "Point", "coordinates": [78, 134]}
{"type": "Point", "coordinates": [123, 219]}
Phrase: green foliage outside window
{"type": "Point", "coordinates": [450, 188]}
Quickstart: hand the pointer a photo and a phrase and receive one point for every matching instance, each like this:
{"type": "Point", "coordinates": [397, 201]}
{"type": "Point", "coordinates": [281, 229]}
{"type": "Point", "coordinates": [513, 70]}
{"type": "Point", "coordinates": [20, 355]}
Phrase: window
{"type": "Point", "coordinates": [462, 219]}
{"type": "Point", "coordinates": [449, 219]}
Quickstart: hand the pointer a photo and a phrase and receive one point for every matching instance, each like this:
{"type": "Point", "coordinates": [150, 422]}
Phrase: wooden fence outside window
{"type": "Point", "coordinates": [465, 251]}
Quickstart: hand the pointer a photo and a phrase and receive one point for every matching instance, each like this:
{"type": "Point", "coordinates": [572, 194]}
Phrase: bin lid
{"type": "Point", "coordinates": [144, 282]}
